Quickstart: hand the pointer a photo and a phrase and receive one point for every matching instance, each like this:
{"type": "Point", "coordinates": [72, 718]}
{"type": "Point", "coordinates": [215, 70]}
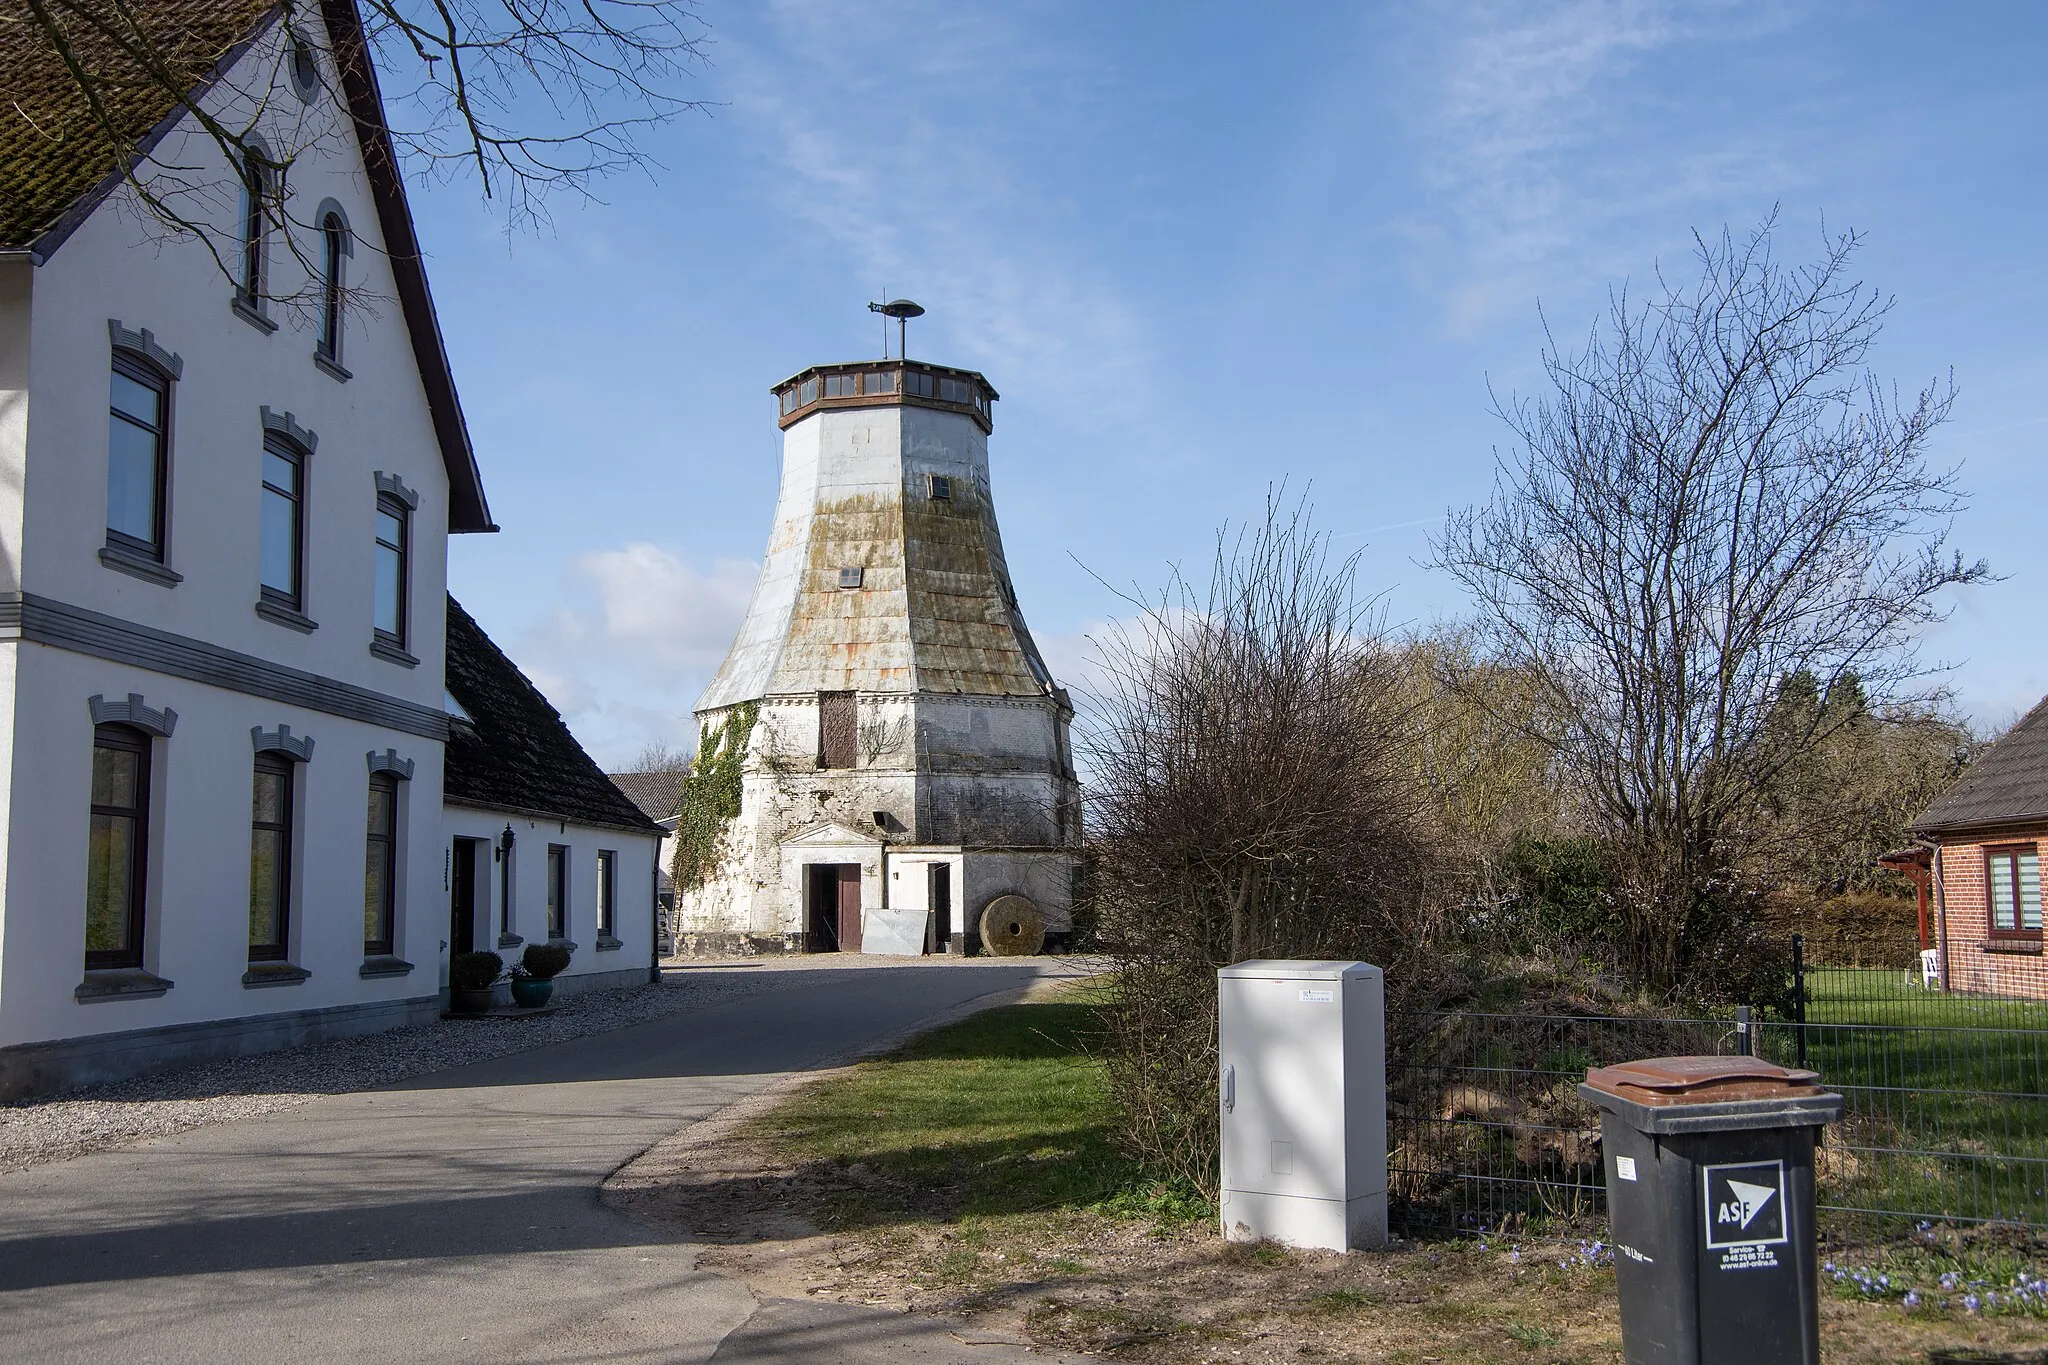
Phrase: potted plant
{"type": "Point", "coordinates": [533, 980]}
{"type": "Point", "coordinates": [470, 978]}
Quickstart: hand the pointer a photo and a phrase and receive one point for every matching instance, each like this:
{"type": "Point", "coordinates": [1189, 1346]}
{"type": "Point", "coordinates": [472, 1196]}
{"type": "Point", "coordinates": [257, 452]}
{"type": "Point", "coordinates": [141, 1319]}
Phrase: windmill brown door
{"type": "Point", "coordinates": [849, 907]}
{"type": "Point", "coordinates": [834, 910]}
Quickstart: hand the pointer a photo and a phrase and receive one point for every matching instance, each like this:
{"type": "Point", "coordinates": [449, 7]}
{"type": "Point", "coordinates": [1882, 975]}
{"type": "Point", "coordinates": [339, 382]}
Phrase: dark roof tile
{"type": "Point", "coordinates": [2008, 784]}
{"type": "Point", "coordinates": [656, 794]}
{"type": "Point", "coordinates": [515, 753]}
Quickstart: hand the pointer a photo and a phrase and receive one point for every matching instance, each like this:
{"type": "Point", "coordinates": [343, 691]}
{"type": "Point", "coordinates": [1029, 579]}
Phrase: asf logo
{"type": "Point", "coordinates": [1745, 1204]}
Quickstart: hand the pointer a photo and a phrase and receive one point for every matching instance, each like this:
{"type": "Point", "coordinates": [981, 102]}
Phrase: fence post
{"type": "Point", "coordinates": [1743, 1046]}
{"type": "Point", "coordinates": [1799, 996]}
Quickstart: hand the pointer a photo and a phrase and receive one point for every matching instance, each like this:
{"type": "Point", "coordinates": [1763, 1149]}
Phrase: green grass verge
{"type": "Point", "coordinates": [1005, 1112]}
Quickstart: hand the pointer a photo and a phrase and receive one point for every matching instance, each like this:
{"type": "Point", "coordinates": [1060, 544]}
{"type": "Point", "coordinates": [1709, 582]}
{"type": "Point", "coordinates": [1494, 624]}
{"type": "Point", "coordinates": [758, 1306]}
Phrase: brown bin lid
{"type": "Point", "coordinates": [1701, 1080]}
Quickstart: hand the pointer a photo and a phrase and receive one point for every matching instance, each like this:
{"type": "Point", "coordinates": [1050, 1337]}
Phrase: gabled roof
{"type": "Point", "coordinates": [656, 794]}
{"type": "Point", "coordinates": [57, 166]}
{"type": "Point", "coordinates": [2007, 785]}
{"type": "Point", "coordinates": [514, 753]}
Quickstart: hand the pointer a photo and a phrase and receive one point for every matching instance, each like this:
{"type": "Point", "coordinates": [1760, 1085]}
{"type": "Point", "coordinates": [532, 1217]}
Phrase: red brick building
{"type": "Point", "coordinates": [1981, 867]}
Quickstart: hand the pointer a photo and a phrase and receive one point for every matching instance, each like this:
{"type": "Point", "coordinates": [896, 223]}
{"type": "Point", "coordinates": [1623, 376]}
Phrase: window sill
{"type": "Point", "coordinates": [262, 974]}
{"type": "Point", "coordinates": [329, 365]}
{"type": "Point", "coordinates": [278, 614]}
{"type": "Point", "coordinates": [124, 983]}
{"type": "Point", "coordinates": [607, 944]}
{"type": "Point", "coordinates": [509, 940]}
{"type": "Point", "coordinates": [393, 653]}
{"type": "Point", "coordinates": [251, 314]}
{"type": "Point", "coordinates": [2025, 947]}
{"type": "Point", "coordinates": [554, 942]}
{"type": "Point", "coordinates": [139, 566]}
{"type": "Point", "coordinates": [385, 965]}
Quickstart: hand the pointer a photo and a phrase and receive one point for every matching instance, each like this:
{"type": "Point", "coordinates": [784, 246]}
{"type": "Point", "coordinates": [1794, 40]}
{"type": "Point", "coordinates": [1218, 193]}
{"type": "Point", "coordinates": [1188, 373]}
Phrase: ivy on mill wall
{"type": "Point", "coordinates": [711, 796]}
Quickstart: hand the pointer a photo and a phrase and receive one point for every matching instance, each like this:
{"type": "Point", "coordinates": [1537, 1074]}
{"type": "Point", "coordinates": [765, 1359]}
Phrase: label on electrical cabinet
{"type": "Point", "coordinates": [1318, 997]}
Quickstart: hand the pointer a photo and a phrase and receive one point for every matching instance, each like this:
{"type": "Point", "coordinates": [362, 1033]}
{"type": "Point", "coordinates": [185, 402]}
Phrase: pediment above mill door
{"type": "Point", "coordinates": [832, 835]}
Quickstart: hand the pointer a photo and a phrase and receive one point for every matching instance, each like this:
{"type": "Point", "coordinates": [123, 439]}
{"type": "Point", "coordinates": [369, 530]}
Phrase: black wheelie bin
{"type": "Point", "coordinates": [1710, 1203]}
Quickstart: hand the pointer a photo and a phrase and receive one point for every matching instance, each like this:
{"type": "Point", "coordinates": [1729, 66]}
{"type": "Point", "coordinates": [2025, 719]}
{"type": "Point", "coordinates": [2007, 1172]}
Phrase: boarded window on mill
{"type": "Point", "coordinates": [838, 729]}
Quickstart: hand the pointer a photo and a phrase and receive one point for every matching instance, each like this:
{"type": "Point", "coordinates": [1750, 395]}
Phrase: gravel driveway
{"type": "Point", "coordinates": [72, 1123]}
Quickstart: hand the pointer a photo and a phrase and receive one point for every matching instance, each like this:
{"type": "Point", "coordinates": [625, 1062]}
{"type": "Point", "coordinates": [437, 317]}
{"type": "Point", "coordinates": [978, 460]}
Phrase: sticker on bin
{"type": "Point", "coordinates": [1625, 1167]}
{"type": "Point", "coordinates": [1318, 997]}
{"type": "Point", "coordinates": [1745, 1208]}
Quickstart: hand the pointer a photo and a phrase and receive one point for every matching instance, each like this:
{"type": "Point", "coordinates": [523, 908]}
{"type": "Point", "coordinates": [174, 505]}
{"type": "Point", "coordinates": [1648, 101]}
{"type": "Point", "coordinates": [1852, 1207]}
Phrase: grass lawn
{"type": "Point", "coordinates": [1948, 1095]}
{"type": "Point", "coordinates": [972, 1172]}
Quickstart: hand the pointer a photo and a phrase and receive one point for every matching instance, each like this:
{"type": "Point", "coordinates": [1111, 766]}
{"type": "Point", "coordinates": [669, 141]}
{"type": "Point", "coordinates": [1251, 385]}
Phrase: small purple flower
{"type": "Point", "coordinates": [1912, 1299]}
{"type": "Point", "coordinates": [1972, 1302]}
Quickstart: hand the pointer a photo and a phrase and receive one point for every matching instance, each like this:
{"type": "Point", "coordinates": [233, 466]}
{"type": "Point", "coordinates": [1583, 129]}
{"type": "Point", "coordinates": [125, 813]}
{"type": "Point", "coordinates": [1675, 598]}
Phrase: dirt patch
{"type": "Point", "coordinates": [1138, 1289]}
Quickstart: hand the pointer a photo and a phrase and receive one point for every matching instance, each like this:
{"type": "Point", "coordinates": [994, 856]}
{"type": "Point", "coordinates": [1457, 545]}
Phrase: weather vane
{"type": "Point", "coordinates": [902, 310]}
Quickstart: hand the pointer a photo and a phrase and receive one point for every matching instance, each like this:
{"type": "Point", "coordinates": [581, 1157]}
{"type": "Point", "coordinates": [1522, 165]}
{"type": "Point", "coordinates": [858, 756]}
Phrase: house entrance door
{"type": "Point", "coordinates": [462, 896]}
{"type": "Point", "coordinates": [833, 914]}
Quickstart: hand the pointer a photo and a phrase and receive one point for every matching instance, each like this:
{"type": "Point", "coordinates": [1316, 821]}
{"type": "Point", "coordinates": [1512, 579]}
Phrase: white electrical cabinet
{"type": "Point", "coordinates": [1303, 1052]}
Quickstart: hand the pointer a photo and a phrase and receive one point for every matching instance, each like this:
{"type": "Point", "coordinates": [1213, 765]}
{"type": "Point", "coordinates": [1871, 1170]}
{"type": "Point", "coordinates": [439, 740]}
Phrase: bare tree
{"type": "Point", "coordinates": [1252, 794]}
{"type": "Point", "coordinates": [1715, 494]}
{"type": "Point", "coordinates": [659, 756]}
{"type": "Point", "coordinates": [532, 97]}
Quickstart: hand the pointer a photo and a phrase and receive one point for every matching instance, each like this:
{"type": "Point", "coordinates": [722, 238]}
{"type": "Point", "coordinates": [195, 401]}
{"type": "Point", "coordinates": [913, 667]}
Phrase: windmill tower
{"type": "Point", "coordinates": [908, 763]}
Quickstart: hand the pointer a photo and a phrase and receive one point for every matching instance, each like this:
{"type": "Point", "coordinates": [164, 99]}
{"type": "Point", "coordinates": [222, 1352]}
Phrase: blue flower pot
{"type": "Point", "coordinates": [530, 992]}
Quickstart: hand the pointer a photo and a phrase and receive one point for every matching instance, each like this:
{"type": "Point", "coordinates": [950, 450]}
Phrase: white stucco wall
{"type": "Point", "coordinates": [635, 909]}
{"type": "Point", "coordinates": [198, 888]}
{"type": "Point", "coordinates": [116, 266]}
{"type": "Point", "coordinates": [55, 354]}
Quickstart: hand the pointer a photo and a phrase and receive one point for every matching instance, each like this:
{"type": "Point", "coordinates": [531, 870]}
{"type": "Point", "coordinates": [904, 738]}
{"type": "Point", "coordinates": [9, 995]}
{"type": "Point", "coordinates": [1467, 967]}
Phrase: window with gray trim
{"type": "Point", "coordinates": [117, 848]}
{"type": "Point", "coordinates": [333, 247]}
{"type": "Point", "coordinates": [380, 866]}
{"type": "Point", "coordinates": [283, 561]}
{"type": "Point", "coordinates": [256, 185]}
{"type": "Point", "coordinates": [607, 893]}
{"type": "Point", "coordinates": [558, 891]}
{"type": "Point", "coordinates": [270, 859]}
{"type": "Point", "coordinates": [138, 456]}
{"type": "Point", "coordinates": [394, 529]}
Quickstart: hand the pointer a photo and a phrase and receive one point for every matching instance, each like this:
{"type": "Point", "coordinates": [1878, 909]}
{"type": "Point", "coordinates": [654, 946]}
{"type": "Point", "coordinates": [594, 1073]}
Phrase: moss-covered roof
{"type": "Point", "coordinates": [54, 150]}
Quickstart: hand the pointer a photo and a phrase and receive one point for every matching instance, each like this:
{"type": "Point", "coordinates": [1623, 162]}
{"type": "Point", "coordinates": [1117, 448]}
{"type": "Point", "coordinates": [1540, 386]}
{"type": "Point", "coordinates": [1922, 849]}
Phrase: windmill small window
{"type": "Point", "coordinates": [941, 487]}
{"type": "Point", "coordinates": [851, 577]}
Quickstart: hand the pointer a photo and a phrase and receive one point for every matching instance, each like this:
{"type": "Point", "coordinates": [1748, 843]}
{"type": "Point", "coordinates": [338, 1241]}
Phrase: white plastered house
{"type": "Point", "coordinates": [223, 546]}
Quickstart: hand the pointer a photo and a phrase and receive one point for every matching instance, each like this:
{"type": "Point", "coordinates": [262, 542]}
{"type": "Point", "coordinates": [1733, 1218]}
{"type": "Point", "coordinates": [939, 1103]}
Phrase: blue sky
{"type": "Point", "coordinates": [1200, 248]}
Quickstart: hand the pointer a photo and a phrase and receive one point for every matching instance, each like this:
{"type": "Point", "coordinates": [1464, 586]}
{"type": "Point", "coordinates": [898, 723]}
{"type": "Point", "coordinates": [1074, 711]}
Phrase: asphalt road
{"type": "Point", "coordinates": [455, 1217]}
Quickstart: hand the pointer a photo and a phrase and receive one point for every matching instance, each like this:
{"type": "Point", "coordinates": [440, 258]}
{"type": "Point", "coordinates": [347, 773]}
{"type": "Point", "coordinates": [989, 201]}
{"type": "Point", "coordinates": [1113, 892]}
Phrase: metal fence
{"type": "Point", "coordinates": [1946, 1115]}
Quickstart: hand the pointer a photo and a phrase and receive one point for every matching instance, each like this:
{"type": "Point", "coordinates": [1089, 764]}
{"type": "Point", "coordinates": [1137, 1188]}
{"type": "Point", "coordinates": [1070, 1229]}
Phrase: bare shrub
{"type": "Point", "coordinates": [1252, 795]}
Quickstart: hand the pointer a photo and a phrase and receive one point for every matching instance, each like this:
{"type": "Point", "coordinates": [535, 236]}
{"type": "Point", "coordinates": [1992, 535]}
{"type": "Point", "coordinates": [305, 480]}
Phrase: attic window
{"type": "Point", "coordinates": [942, 487]}
{"type": "Point", "coordinates": [454, 708]}
{"type": "Point", "coordinates": [305, 68]}
{"type": "Point", "coordinates": [851, 578]}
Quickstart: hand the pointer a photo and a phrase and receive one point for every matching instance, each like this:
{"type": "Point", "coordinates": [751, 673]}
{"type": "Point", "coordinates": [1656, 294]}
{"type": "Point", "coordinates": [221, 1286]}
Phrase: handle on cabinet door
{"type": "Point", "coordinates": [1229, 1088]}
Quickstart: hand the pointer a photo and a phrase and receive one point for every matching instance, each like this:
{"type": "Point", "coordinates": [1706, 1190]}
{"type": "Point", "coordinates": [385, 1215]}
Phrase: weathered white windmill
{"type": "Point", "coordinates": [908, 766]}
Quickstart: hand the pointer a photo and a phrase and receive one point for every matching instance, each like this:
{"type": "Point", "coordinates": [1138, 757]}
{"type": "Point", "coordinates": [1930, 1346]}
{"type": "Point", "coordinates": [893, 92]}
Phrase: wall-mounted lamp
{"type": "Point", "coordinates": [505, 844]}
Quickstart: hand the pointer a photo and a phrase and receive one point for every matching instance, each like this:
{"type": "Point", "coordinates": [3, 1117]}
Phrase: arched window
{"type": "Point", "coordinates": [333, 246]}
{"type": "Point", "coordinates": [257, 184]}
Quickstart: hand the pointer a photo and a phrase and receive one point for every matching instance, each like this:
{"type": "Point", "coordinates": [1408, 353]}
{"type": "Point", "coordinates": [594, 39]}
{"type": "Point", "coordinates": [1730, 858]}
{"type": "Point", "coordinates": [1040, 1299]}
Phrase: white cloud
{"type": "Point", "coordinates": [640, 633]}
{"type": "Point", "coordinates": [1552, 153]}
{"type": "Point", "coordinates": [915, 139]}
